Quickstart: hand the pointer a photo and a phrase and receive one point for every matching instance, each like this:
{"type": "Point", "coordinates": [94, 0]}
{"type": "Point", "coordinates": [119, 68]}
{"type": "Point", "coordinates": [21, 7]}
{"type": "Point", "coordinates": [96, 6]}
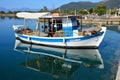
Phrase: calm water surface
{"type": "Point", "coordinates": [20, 61]}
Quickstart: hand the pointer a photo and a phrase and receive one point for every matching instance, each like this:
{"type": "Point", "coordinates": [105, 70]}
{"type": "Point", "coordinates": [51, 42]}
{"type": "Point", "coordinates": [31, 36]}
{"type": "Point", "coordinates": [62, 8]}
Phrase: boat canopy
{"type": "Point", "coordinates": [28, 15]}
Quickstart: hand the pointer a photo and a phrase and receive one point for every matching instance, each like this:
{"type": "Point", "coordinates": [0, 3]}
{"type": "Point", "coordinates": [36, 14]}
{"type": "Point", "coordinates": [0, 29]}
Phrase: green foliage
{"type": "Point", "coordinates": [67, 11]}
{"type": "Point", "coordinates": [113, 12]}
{"type": "Point", "coordinates": [91, 10]}
{"type": "Point", "coordinates": [110, 4]}
{"type": "Point", "coordinates": [100, 10]}
{"type": "Point", "coordinates": [45, 9]}
{"type": "Point", "coordinates": [57, 11]}
{"type": "Point", "coordinates": [2, 12]}
{"type": "Point", "coordinates": [9, 12]}
{"type": "Point", "coordinates": [83, 12]}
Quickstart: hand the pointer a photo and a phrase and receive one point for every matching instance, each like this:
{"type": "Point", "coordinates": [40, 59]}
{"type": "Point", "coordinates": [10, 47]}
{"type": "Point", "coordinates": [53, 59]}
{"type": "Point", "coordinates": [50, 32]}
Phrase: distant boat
{"type": "Point", "coordinates": [58, 31]}
{"type": "Point", "coordinates": [87, 57]}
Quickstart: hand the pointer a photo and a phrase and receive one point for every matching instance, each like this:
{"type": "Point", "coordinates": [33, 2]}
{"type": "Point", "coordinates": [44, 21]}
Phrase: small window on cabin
{"type": "Point", "coordinates": [66, 20]}
{"type": "Point", "coordinates": [58, 24]}
{"type": "Point", "coordinates": [74, 21]}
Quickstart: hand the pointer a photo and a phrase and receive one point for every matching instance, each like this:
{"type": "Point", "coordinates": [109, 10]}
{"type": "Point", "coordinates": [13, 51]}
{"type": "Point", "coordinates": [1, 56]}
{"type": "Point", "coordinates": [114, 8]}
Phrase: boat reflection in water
{"type": "Point", "coordinates": [57, 61]}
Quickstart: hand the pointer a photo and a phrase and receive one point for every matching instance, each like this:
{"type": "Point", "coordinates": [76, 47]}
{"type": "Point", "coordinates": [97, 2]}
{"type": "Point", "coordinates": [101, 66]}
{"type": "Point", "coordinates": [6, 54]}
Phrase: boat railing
{"type": "Point", "coordinates": [59, 33]}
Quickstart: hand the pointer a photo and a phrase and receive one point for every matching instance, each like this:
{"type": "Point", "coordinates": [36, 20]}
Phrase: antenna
{"type": "Point", "coordinates": [75, 13]}
{"type": "Point", "coordinates": [59, 10]}
{"type": "Point", "coordinates": [53, 6]}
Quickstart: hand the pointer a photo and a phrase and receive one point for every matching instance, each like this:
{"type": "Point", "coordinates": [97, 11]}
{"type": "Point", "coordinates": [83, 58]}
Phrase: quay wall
{"type": "Point", "coordinates": [8, 15]}
{"type": "Point", "coordinates": [107, 21]}
{"type": "Point", "coordinates": [118, 72]}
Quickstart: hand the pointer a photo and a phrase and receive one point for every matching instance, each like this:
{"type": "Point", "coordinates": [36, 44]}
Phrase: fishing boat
{"type": "Point", "coordinates": [57, 30]}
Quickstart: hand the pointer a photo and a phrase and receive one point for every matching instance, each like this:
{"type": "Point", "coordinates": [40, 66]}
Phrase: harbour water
{"type": "Point", "coordinates": [21, 61]}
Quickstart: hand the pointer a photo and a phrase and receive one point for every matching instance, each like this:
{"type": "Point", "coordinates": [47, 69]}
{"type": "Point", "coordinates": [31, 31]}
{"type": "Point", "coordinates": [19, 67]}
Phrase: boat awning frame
{"type": "Point", "coordinates": [28, 15]}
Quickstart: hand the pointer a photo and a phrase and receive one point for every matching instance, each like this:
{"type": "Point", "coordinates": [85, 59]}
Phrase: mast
{"type": "Point", "coordinates": [67, 27]}
{"type": "Point", "coordinates": [81, 23]}
{"type": "Point", "coordinates": [37, 28]}
{"type": "Point", "coordinates": [44, 24]}
{"type": "Point", "coordinates": [75, 13]}
{"type": "Point", "coordinates": [52, 24]}
{"type": "Point", "coordinates": [25, 23]}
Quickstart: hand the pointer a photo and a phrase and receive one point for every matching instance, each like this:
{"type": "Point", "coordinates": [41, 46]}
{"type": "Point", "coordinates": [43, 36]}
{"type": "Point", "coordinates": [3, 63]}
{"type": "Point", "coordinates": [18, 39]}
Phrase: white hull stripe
{"type": "Point", "coordinates": [59, 39]}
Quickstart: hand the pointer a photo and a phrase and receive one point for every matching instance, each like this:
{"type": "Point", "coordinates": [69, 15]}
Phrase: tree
{"type": "Point", "coordinates": [45, 9]}
{"type": "Point", "coordinates": [83, 12]}
{"type": "Point", "coordinates": [100, 10]}
{"type": "Point", "coordinates": [91, 10]}
{"type": "Point", "coordinates": [9, 12]}
{"type": "Point", "coordinates": [113, 12]}
{"type": "Point", "coordinates": [66, 11]}
{"type": "Point", "coordinates": [2, 12]}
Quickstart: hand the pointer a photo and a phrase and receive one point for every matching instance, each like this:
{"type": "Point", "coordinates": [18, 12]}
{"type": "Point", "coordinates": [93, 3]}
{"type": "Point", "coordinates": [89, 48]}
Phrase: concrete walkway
{"type": "Point", "coordinates": [118, 72]}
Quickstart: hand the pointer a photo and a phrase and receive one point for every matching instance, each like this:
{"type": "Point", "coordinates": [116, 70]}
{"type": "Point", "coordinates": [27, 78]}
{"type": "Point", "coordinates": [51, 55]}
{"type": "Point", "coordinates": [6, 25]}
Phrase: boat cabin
{"type": "Point", "coordinates": [54, 25]}
{"type": "Point", "coordinates": [59, 26]}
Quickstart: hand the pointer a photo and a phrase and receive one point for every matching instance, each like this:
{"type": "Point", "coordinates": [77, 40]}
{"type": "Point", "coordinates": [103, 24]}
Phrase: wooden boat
{"type": "Point", "coordinates": [58, 31]}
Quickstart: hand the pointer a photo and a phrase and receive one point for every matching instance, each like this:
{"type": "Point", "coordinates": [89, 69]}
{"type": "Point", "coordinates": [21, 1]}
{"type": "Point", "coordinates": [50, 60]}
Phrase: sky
{"type": "Point", "coordinates": [36, 4]}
